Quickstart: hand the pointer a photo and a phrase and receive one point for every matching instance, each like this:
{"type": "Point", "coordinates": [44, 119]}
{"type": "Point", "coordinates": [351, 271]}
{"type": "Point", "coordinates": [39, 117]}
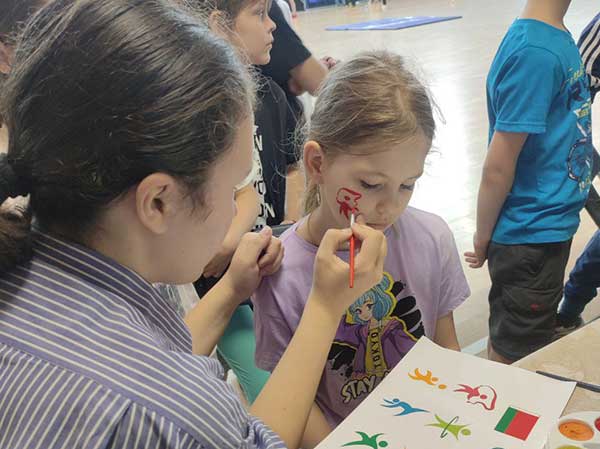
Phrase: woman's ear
{"type": "Point", "coordinates": [313, 158]}
{"type": "Point", "coordinates": [156, 199]}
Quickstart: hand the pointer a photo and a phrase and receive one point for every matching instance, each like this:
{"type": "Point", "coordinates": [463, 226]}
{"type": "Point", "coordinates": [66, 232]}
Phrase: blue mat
{"type": "Point", "coordinates": [392, 23]}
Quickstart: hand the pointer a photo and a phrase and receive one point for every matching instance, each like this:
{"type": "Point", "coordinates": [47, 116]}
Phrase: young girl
{"type": "Point", "coordinates": [367, 142]}
{"type": "Point", "coordinates": [246, 24]}
{"type": "Point", "coordinates": [130, 124]}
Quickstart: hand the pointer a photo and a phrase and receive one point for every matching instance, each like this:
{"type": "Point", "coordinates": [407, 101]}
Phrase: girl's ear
{"type": "Point", "coordinates": [313, 158]}
{"type": "Point", "coordinates": [6, 55]}
{"type": "Point", "coordinates": [217, 22]}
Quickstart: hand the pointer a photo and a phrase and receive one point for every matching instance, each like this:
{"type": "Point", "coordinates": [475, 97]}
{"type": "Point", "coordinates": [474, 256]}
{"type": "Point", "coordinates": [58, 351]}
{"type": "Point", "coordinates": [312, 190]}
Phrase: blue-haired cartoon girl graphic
{"type": "Point", "coordinates": [579, 161]}
{"type": "Point", "coordinates": [373, 333]}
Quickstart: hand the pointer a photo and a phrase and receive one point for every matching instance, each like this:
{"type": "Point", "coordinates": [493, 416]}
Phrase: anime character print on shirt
{"type": "Point", "coordinates": [376, 332]}
{"type": "Point", "coordinates": [579, 162]}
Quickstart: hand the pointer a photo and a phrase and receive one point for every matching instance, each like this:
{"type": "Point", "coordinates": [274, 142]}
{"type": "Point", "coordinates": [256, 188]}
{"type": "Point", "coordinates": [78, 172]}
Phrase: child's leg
{"type": "Point", "coordinates": [237, 346]}
{"type": "Point", "coordinates": [583, 282]}
{"type": "Point", "coordinates": [527, 284]}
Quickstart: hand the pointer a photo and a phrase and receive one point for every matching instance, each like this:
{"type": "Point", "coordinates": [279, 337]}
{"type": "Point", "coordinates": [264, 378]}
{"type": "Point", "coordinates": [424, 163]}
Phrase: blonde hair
{"type": "Point", "coordinates": [372, 98]}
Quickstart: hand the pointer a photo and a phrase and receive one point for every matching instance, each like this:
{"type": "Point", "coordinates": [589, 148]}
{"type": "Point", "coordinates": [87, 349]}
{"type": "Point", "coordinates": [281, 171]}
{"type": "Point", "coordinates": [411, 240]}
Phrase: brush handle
{"type": "Point", "coordinates": [580, 384]}
{"type": "Point", "coordinates": [352, 248]}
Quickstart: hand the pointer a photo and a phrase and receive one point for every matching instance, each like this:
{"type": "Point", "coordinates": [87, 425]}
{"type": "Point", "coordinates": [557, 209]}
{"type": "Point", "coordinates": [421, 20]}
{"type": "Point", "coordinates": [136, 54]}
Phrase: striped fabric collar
{"type": "Point", "coordinates": [109, 275]}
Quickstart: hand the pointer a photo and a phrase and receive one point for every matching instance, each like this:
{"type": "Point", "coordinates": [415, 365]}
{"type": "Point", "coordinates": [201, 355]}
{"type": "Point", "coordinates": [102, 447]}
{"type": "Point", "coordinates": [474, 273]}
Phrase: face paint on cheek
{"type": "Point", "coordinates": [348, 201]}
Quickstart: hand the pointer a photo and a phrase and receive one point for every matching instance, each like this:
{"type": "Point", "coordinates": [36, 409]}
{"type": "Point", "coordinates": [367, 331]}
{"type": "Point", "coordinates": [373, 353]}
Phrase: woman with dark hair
{"type": "Point", "coordinates": [129, 126]}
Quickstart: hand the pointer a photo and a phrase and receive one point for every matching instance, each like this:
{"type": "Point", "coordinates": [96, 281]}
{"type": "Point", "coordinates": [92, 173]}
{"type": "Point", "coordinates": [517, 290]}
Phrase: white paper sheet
{"type": "Point", "coordinates": [437, 398]}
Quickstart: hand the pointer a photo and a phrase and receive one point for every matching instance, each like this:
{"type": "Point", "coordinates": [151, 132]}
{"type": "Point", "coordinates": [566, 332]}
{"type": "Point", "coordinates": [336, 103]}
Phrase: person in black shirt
{"type": "Point", "coordinates": [246, 24]}
{"type": "Point", "coordinates": [292, 65]}
{"type": "Point", "coordinates": [278, 155]}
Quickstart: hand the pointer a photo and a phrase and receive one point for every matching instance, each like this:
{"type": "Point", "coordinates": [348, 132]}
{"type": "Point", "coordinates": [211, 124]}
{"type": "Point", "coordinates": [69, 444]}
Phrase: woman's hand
{"type": "Point", "coordinates": [331, 274]}
{"type": "Point", "coordinates": [257, 255]}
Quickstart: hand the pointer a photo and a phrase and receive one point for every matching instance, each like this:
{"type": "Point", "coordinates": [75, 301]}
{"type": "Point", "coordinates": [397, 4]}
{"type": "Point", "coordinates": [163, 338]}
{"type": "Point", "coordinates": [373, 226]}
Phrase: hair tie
{"type": "Point", "coordinates": [11, 185]}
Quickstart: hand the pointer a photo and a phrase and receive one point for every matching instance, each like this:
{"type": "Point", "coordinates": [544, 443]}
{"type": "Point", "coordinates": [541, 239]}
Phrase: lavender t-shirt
{"type": "Point", "coordinates": [423, 281]}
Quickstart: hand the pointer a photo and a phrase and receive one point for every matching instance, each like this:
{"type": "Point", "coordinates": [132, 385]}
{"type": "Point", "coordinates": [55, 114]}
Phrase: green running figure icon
{"type": "Point", "coordinates": [368, 441]}
{"type": "Point", "coordinates": [450, 427]}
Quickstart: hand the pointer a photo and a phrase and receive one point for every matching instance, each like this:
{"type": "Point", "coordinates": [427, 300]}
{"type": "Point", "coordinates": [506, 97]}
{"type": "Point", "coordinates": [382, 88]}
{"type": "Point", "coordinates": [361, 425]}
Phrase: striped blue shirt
{"type": "Point", "coordinates": [91, 356]}
{"type": "Point", "coordinates": [589, 46]}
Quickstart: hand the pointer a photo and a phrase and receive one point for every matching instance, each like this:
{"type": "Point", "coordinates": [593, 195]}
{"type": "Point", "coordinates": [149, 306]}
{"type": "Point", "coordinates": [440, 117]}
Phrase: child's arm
{"type": "Point", "coordinates": [248, 207]}
{"type": "Point", "coordinates": [317, 428]}
{"type": "Point", "coordinates": [258, 255]}
{"type": "Point", "coordinates": [445, 332]}
{"type": "Point", "coordinates": [294, 190]}
{"type": "Point", "coordinates": [496, 182]}
{"type": "Point", "coordinates": [307, 76]}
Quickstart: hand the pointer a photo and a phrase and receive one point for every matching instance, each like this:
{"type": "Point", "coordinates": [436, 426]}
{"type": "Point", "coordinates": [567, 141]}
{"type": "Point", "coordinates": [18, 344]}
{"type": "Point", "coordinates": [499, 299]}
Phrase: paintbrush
{"type": "Point", "coordinates": [585, 385]}
{"type": "Point", "coordinates": [352, 248]}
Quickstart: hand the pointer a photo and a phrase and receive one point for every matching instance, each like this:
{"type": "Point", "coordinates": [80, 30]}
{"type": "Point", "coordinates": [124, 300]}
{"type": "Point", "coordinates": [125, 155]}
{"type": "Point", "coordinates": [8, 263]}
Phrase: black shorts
{"type": "Point", "coordinates": [527, 285]}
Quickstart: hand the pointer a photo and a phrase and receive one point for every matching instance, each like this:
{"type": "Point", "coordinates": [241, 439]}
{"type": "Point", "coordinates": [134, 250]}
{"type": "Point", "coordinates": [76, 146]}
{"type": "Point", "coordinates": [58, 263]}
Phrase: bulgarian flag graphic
{"type": "Point", "coordinates": [517, 423]}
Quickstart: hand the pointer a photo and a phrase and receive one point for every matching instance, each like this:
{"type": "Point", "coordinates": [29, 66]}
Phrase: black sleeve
{"type": "Point", "coordinates": [288, 50]}
{"type": "Point", "coordinates": [287, 123]}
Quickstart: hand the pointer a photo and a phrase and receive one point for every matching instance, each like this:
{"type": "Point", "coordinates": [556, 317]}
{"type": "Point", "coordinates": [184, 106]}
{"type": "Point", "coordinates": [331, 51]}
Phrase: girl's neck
{"type": "Point", "coordinates": [551, 12]}
{"type": "Point", "coordinates": [316, 225]}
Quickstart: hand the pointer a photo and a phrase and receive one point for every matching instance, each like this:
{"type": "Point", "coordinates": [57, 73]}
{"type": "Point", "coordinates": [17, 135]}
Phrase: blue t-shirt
{"type": "Point", "coordinates": [537, 85]}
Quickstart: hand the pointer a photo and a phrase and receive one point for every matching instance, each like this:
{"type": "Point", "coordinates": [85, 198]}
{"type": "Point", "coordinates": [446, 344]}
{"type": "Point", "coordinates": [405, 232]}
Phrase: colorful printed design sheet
{"type": "Point", "coordinates": [437, 398]}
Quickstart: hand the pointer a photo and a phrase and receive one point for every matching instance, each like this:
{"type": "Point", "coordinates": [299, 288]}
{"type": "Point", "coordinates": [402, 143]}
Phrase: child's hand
{"type": "Point", "coordinates": [329, 62]}
{"type": "Point", "coordinates": [332, 274]}
{"type": "Point", "coordinates": [477, 257]}
{"type": "Point", "coordinates": [257, 255]}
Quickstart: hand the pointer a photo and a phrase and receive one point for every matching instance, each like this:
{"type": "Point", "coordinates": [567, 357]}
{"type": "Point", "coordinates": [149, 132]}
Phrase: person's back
{"type": "Point", "coordinates": [76, 328]}
{"type": "Point", "coordinates": [537, 85]}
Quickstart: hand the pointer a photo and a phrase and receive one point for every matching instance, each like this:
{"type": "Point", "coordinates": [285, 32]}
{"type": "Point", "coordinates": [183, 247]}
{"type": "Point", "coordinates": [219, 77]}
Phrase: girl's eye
{"type": "Point", "coordinates": [410, 187]}
{"type": "Point", "coordinates": [368, 186]}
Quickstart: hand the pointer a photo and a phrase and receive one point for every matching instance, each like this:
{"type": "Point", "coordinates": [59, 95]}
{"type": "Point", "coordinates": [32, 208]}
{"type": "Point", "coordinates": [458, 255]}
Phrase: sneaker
{"type": "Point", "coordinates": [565, 327]}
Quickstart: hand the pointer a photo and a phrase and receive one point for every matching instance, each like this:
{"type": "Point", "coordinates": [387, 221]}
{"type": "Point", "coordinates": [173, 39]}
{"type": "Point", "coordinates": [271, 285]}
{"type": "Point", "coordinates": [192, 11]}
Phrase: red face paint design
{"type": "Point", "coordinates": [348, 201]}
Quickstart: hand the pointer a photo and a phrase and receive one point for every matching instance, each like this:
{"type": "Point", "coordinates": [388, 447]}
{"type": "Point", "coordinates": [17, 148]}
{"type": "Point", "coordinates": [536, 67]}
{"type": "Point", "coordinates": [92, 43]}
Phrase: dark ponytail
{"type": "Point", "coordinates": [103, 93]}
{"type": "Point", "coordinates": [15, 241]}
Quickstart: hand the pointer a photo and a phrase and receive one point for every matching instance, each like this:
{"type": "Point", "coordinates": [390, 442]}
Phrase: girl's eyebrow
{"type": "Point", "coordinates": [383, 175]}
{"type": "Point", "coordinates": [416, 177]}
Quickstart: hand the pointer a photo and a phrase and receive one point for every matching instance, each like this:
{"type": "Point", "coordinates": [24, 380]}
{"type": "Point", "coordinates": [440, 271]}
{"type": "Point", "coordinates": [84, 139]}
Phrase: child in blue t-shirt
{"type": "Point", "coordinates": [535, 179]}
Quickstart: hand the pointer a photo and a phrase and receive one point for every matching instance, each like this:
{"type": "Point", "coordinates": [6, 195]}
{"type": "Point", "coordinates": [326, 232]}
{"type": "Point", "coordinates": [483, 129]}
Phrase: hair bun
{"type": "Point", "coordinates": [11, 185]}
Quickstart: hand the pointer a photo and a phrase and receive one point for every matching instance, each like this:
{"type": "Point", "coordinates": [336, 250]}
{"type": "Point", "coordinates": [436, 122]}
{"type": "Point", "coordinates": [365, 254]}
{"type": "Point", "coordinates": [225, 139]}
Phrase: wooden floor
{"type": "Point", "coordinates": [453, 58]}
